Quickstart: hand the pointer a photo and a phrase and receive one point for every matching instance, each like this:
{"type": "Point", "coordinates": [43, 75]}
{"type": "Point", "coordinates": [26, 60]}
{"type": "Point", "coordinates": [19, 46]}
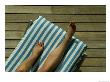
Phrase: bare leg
{"type": "Point", "coordinates": [26, 65]}
{"type": "Point", "coordinates": [55, 56]}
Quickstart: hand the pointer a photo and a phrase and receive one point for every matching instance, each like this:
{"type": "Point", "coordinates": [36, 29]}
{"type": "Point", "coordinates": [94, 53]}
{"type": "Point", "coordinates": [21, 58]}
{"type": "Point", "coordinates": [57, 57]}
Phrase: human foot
{"type": "Point", "coordinates": [38, 48]}
{"type": "Point", "coordinates": [27, 64]}
{"type": "Point", "coordinates": [71, 30]}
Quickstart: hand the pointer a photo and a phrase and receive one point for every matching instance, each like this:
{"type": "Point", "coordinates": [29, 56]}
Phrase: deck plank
{"type": "Point", "coordinates": [94, 62]}
{"type": "Point", "coordinates": [92, 69]}
{"type": "Point", "coordinates": [75, 9]}
{"type": "Point", "coordinates": [96, 53]}
{"type": "Point", "coordinates": [55, 18]}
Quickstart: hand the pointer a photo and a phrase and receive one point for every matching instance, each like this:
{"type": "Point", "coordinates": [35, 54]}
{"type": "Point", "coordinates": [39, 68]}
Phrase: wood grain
{"type": "Point", "coordinates": [55, 18]}
{"type": "Point", "coordinates": [96, 53]}
{"type": "Point", "coordinates": [94, 62]}
{"type": "Point", "coordinates": [75, 9]}
{"type": "Point", "coordinates": [93, 69]}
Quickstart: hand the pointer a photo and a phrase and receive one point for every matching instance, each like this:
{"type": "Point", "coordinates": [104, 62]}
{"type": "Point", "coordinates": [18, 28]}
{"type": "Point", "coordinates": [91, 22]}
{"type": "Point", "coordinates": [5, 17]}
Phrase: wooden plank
{"type": "Point", "coordinates": [96, 44]}
{"type": "Point", "coordinates": [15, 26]}
{"type": "Point", "coordinates": [27, 9]}
{"type": "Point", "coordinates": [94, 62]}
{"type": "Point", "coordinates": [55, 18]}
{"type": "Point", "coordinates": [82, 35]}
{"type": "Point", "coordinates": [93, 69]}
{"type": "Point", "coordinates": [75, 9]}
{"type": "Point", "coordinates": [91, 44]}
{"type": "Point", "coordinates": [14, 34]}
{"type": "Point", "coordinates": [80, 26]}
{"type": "Point", "coordinates": [11, 43]}
{"type": "Point", "coordinates": [79, 9]}
{"type": "Point", "coordinates": [8, 52]}
{"type": "Point", "coordinates": [90, 52]}
{"type": "Point", "coordinates": [96, 52]}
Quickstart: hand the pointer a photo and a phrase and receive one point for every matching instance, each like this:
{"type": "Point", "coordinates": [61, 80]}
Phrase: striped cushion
{"type": "Point", "coordinates": [52, 36]}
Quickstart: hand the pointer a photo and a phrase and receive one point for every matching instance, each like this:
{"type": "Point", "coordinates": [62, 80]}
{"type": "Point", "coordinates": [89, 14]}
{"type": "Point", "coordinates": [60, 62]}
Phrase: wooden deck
{"type": "Point", "coordinates": [90, 22]}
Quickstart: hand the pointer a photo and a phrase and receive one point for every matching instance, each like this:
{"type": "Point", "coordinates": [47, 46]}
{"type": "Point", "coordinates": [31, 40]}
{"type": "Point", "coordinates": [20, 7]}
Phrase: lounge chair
{"type": "Point", "coordinates": [52, 35]}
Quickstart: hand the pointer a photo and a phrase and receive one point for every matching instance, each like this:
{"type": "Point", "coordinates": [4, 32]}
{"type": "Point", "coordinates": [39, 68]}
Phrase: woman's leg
{"type": "Point", "coordinates": [55, 56]}
{"type": "Point", "coordinates": [27, 64]}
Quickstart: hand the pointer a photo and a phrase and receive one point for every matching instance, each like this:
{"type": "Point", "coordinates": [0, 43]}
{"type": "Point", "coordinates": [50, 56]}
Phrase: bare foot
{"type": "Point", "coordinates": [38, 48]}
{"type": "Point", "coordinates": [71, 30]}
{"type": "Point", "coordinates": [27, 64]}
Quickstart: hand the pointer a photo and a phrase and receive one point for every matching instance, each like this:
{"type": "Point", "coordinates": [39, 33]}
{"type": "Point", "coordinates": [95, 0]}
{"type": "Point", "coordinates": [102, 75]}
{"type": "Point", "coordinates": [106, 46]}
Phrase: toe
{"type": "Point", "coordinates": [43, 43]}
{"type": "Point", "coordinates": [40, 43]}
{"type": "Point", "coordinates": [72, 24]}
{"type": "Point", "coordinates": [37, 43]}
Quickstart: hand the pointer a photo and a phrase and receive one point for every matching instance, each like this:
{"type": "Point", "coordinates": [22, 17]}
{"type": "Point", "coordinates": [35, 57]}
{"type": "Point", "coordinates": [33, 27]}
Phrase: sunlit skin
{"type": "Point", "coordinates": [55, 56]}
{"type": "Point", "coordinates": [27, 64]}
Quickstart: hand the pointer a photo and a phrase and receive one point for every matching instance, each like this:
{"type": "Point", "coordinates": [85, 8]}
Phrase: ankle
{"type": "Point", "coordinates": [68, 38]}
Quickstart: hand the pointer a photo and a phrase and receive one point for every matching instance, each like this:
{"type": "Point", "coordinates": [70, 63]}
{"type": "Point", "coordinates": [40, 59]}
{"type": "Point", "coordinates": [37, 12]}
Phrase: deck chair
{"type": "Point", "coordinates": [52, 35]}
